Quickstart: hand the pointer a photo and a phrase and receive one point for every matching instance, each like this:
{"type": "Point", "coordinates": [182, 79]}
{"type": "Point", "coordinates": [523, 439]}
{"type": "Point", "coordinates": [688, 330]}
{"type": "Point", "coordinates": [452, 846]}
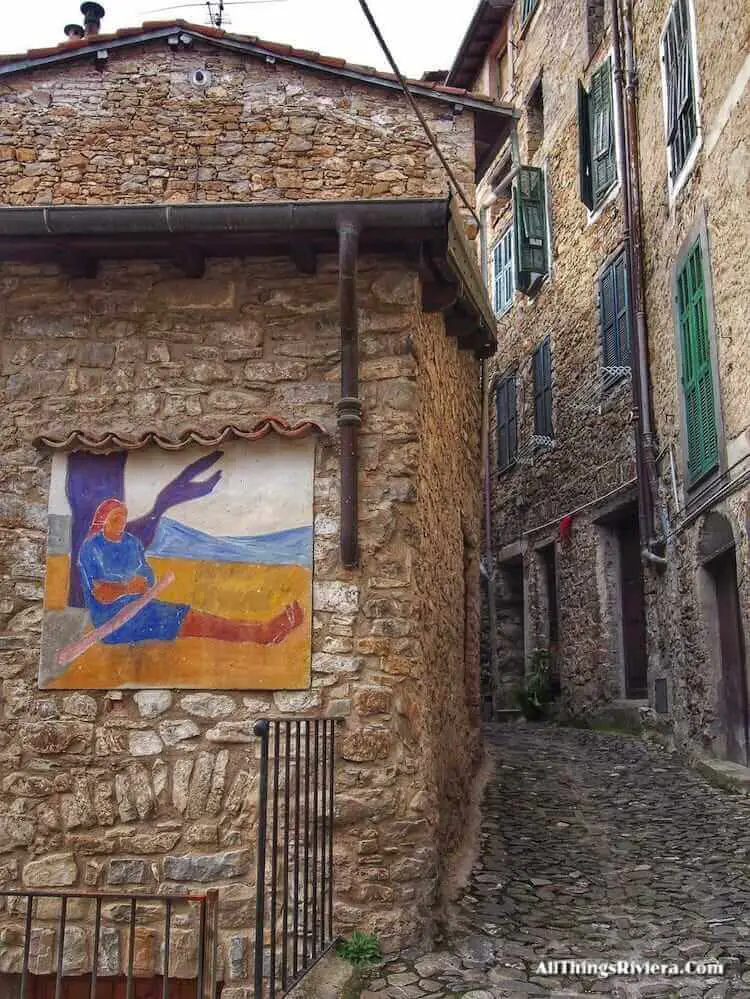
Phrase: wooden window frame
{"type": "Point", "coordinates": [524, 221]}
{"type": "Point", "coordinates": [503, 272]}
{"type": "Point", "coordinates": [677, 176]}
{"type": "Point", "coordinates": [543, 416]}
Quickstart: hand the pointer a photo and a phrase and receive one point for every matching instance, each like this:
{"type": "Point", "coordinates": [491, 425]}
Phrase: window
{"type": "Point", "coordinates": [507, 422]}
{"type": "Point", "coordinates": [697, 374]}
{"type": "Point", "coordinates": [596, 138]}
{"type": "Point", "coordinates": [594, 25]}
{"type": "Point", "coordinates": [527, 9]}
{"type": "Point", "coordinates": [534, 119]}
{"type": "Point", "coordinates": [502, 263]}
{"type": "Point", "coordinates": [530, 227]}
{"type": "Point", "coordinates": [613, 318]}
{"type": "Point", "coordinates": [678, 74]}
{"type": "Point", "coordinates": [543, 390]}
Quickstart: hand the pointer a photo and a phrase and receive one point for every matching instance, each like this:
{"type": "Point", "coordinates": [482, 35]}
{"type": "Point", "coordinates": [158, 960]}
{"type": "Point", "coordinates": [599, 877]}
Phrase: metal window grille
{"type": "Point", "coordinates": [294, 886]}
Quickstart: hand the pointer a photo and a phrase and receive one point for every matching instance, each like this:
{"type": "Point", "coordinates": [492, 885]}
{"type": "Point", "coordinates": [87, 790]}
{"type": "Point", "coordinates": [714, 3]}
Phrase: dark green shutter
{"type": "Point", "coordinates": [697, 375]}
{"type": "Point", "coordinates": [543, 389]}
{"type": "Point", "coordinates": [602, 133]}
{"type": "Point", "coordinates": [527, 9]}
{"type": "Point", "coordinates": [584, 148]}
{"type": "Point", "coordinates": [507, 423]}
{"type": "Point", "coordinates": [678, 72]}
{"type": "Point", "coordinates": [613, 313]}
{"type": "Point", "coordinates": [530, 220]}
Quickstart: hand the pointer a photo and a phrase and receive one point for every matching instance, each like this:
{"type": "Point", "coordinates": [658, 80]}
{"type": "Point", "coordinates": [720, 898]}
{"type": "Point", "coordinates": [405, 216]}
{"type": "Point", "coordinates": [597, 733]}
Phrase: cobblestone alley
{"type": "Point", "coordinates": [594, 846]}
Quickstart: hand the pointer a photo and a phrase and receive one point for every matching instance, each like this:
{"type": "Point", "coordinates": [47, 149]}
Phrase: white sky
{"type": "Point", "coordinates": [422, 34]}
{"type": "Point", "coordinates": [266, 486]}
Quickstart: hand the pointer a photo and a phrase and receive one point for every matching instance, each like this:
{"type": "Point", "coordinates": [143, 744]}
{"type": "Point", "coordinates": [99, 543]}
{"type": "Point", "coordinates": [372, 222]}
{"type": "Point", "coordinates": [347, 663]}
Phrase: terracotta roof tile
{"type": "Point", "coordinates": [277, 48]}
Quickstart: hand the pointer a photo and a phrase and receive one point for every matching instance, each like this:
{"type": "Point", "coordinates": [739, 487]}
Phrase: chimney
{"type": "Point", "coordinates": [73, 31]}
{"type": "Point", "coordinates": [92, 17]}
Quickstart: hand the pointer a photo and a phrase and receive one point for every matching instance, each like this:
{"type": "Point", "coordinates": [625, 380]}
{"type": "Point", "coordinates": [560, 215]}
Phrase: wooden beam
{"type": "Point", "coordinates": [192, 262]}
{"type": "Point", "coordinates": [304, 257]}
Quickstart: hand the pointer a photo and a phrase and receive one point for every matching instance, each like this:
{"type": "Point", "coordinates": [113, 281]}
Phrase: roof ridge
{"type": "Point", "coordinates": [209, 32]}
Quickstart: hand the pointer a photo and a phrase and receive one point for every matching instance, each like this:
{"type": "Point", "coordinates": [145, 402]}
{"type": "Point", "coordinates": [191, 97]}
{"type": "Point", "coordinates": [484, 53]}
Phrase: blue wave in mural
{"type": "Point", "coordinates": [175, 540]}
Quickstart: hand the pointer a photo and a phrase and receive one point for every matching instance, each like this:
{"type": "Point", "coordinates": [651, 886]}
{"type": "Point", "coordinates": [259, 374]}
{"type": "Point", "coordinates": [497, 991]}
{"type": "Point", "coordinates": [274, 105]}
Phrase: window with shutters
{"type": "Point", "coordinates": [614, 320]}
{"type": "Point", "coordinates": [542, 363]}
{"type": "Point", "coordinates": [700, 410]}
{"type": "Point", "coordinates": [502, 266]}
{"type": "Point", "coordinates": [506, 421]}
{"type": "Point", "coordinates": [596, 138]}
{"type": "Point", "coordinates": [527, 9]}
{"type": "Point", "coordinates": [530, 228]}
{"type": "Point", "coordinates": [680, 90]}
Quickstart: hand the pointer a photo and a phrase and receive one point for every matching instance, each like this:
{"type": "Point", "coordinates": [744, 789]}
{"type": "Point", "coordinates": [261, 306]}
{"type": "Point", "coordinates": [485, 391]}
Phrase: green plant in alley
{"type": "Point", "coordinates": [360, 948]}
{"type": "Point", "coordinates": [538, 689]}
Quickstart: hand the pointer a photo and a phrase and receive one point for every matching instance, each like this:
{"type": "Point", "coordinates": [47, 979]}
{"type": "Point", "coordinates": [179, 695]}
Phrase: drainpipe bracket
{"type": "Point", "coordinates": [349, 411]}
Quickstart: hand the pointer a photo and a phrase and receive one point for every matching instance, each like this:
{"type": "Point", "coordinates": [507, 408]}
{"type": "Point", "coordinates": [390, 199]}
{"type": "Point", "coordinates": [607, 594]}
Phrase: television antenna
{"type": "Point", "coordinates": [216, 8]}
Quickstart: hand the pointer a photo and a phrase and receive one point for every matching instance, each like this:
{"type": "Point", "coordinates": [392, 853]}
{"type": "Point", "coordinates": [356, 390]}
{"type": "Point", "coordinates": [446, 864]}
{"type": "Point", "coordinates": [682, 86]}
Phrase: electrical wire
{"type": "Point", "coordinates": [422, 120]}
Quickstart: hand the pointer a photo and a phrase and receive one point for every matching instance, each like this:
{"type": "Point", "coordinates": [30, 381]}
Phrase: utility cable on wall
{"type": "Point", "coordinates": [422, 120]}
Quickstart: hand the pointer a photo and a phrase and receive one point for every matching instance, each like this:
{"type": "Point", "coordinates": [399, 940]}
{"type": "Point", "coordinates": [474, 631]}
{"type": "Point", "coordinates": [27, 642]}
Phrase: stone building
{"type": "Point", "coordinates": [174, 201]}
{"type": "Point", "coordinates": [590, 463]}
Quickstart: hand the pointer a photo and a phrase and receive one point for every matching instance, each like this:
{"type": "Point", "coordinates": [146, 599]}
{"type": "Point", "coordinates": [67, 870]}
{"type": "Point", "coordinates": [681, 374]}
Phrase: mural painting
{"type": "Point", "coordinates": [189, 568]}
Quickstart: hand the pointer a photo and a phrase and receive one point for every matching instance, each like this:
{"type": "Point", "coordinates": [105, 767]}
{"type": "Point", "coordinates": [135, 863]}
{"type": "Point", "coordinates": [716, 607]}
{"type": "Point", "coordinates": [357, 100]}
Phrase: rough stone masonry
{"type": "Point", "coordinates": [154, 791]}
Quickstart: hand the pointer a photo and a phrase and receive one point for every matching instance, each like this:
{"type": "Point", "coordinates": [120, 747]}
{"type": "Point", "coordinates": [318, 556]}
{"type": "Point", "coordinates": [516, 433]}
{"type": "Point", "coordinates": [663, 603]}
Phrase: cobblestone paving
{"type": "Point", "coordinates": [594, 846]}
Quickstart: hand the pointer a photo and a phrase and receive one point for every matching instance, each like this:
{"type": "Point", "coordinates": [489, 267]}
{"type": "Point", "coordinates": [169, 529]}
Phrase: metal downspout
{"type": "Point", "coordinates": [647, 434]}
{"type": "Point", "coordinates": [349, 406]}
{"type": "Point", "coordinates": [640, 373]}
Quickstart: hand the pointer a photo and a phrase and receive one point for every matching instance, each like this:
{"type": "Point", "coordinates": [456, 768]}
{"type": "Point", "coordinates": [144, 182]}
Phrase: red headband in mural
{"type": "Point", "coordinates": [101, 513]}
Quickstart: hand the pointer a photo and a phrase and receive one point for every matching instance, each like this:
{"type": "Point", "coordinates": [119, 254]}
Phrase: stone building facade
{"type": "Point", "coordinates": [154, 790]}
{"type": "Point", "coordinates": [624, 630]}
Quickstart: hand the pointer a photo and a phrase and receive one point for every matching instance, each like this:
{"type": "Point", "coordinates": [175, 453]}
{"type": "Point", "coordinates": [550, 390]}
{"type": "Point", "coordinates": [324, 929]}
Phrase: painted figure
{"type": "Point", "coordinates": [116, 578]}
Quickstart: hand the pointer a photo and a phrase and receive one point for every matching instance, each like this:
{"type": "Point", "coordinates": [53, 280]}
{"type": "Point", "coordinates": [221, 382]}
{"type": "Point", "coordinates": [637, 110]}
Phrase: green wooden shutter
{"type": "Point", "coordinates": [507, 424]}
{"type": "Point", "coordinates": [682, 125]}
{"type": "Point", "coordinates": [527, 9]}
{"type": "Point", "coordinates": [613, 313]}
{"type": "Point", "coordinates": [584, 148]}
{"type": "Point", "coordinates": [697, 374]}
{"type": "Point", "coordinates": [602, 132]}
{"type": "Point", "coordinates": [530, 220]}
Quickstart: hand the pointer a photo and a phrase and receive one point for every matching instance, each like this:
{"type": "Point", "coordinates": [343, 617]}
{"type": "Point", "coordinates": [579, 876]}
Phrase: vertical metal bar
{"type": "Point", "coordinates": [97, 931]}
{"type": "Point", "coordinates": [26, 946]}
{"type": "Point", "coordinates": [274, 852]}
{"type": "Point", "coordinates": [261, 729]}
{"type": "Point", "coordinates": [212, 936]}
{"type": "Point", "coordinates": [298, 747]}
{"type": "Point", "coordinates": [201, 951]}
{"type": "Point", "coordinates": [323, 833]}
{"type": "Point", "coordinates": [285, 876]}
{"type": "Point", "coordinates": [131, 950]}
{"type": "Point", "coordinates": [167, 932]}
{"type": "Point", "coordinates": [316, 765]}
{"type": "Point", "coordinates": [332, 775]}
{"type": "Point", "coordinates": [305, 903]}
{"type": "Point", "coordinates": [61, 945]}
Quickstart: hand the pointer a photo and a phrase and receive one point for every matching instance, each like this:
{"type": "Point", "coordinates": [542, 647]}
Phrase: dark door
{"type": "Point", "coordinates": [733, 678]}
{"type": "Point", "coordinates": [633, 609]}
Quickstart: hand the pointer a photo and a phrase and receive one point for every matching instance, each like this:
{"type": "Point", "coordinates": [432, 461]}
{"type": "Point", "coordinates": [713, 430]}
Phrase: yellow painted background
{"type": "Point", "coordinates": [233, 590]}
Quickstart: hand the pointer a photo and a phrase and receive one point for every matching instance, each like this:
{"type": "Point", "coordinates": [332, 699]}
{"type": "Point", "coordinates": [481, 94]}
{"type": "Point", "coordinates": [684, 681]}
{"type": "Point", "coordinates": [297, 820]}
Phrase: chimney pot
{"type": "Point", "coordinates": [73, 31]}
{"type": "Point", "coordinates": [92, 17]}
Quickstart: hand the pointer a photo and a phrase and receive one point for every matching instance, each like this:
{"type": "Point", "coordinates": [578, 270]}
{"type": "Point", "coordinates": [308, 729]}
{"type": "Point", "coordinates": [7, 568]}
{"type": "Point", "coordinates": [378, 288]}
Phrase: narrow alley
{"type": "Point", "coordinates": [595, 847]}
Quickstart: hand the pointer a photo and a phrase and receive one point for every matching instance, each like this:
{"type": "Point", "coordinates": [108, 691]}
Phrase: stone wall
{"type": "Point", "coordinates": [140, 131]}
{"type": "Point", "coordinates": [684, 652]}
{"type": "Point", "coordinates": [155, 790]}
{"type": "Point", "coordinates": [593, 454]}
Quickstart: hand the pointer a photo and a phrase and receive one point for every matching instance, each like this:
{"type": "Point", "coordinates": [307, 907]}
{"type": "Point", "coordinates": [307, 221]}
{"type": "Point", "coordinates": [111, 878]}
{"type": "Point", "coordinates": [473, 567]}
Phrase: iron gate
{"type": "Point", "coordinates": [294, 887]}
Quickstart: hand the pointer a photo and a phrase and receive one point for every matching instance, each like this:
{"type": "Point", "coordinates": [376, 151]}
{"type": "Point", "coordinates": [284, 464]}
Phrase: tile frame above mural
{"type": "Point", "coordinates": [215, 595]}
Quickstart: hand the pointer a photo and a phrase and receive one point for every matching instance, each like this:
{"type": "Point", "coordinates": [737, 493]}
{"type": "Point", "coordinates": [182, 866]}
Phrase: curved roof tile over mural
{"type": "Point", "coordinates": [79, 440]}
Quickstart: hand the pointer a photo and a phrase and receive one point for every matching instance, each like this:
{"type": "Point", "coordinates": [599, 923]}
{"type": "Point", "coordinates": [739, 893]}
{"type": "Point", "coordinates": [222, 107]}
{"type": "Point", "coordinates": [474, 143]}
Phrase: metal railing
{"type": "Point", "coordinates": [294, 887]}
{"type": "Point", "coordinates": [197, 911]}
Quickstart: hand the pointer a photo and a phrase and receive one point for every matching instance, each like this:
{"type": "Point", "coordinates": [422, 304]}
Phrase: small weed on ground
{"type": "Point", "coordinates": [360, 949]}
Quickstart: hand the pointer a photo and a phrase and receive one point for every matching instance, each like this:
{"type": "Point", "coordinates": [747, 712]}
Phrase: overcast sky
{"type": "Point", "coordinates": [422, 34]}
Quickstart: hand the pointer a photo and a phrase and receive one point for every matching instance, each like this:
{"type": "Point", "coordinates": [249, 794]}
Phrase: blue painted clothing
{"type": "Point", "coordinates": [121, 561]}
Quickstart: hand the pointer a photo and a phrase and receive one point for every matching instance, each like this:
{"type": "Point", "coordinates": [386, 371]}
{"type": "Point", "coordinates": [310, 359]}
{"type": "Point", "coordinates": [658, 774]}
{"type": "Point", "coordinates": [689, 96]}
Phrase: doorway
{"type": "Point", "coordinates": [632, 606]}
{"type": "Point", "coordinates": [733, 706]}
